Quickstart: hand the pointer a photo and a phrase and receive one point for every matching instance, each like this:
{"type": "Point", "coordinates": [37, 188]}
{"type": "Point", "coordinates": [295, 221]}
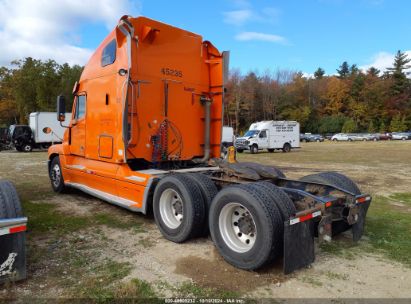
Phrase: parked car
{"type": "Point", "coordinates": [328, 135]}
{"type": "Point", "coordinates": [384, 136]}
{"type": "Point", "coordinates": [340, 137]}
{"type": "Point", "coordinates": [345, 137]}
{"type": "Point", "coordinates": [311, 137]}
{"type": "Point", "coordinates": [367, 137]}
{"type": "Point", "coordinates": [401, 135]}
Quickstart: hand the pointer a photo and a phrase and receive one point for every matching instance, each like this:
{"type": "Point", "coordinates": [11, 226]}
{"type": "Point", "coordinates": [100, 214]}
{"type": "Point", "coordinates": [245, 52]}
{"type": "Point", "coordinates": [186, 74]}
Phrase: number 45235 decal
{"type": "Point", "coordinates": [171, 72]}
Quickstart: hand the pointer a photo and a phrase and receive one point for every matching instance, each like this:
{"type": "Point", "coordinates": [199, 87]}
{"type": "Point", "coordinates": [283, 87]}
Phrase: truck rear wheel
{"type": "Point", "coordinates": [337, 180]}
{"type": "Point", "coordinates": [333, 179]}
{"type": "Point", "coordinates": [286, 147]}
{"type": "Point", "coordinates": [56, 175]}
{"type": "Point", "coordinates": [208, 191]}
{"type": "Point", "coordinates": [245, 227]}
{"type": "Point", "coordinates": [10, 207]}
{"type": "Point", "coordinates": [27, 148]}
{"type": "Point", "coordinates": [279, 197]}
{"type": "Point", "coordinates": [179, 208]}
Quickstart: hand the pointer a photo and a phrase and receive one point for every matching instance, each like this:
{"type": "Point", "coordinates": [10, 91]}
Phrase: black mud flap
{"type": "Point", "coordinates": [358, 227]}
{"type": "Point", "coordinates": [12, 257]}
{"type": "Point", "coordinates": [298, 245]}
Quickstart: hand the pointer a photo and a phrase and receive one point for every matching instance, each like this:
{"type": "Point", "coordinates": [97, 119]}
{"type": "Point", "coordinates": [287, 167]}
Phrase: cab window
{"type": "Point", "coordinates": [80, 107]}
{"type": "Point", "coordinates": [263, 134]}
{"type": "Point", "coordinates": [109, 53]}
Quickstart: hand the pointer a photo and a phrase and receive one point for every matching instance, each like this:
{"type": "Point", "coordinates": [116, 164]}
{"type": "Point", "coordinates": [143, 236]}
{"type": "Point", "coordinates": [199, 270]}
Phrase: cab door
{"type": "Point", "coordinates": [263, 139]}
{"type": "Point", "coordinates": [78, 126]}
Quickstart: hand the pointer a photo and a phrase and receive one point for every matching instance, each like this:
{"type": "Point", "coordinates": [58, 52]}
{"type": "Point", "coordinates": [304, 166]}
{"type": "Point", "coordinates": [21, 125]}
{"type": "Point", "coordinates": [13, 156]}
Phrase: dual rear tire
{"type": "Point", "coordinates": [180, 205]}
{"type": "Point", "coordinates": [246, 222]}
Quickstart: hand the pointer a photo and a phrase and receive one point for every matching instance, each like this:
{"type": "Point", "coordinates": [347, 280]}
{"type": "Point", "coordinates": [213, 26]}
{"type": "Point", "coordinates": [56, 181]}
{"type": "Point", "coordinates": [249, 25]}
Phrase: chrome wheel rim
{"type": "Point", "coordinates": [56, 175]}
{"type": "Point", "coordinates": [237, 227]}
{"type": "Point", "coordinates": [27, 148]}
{"type": "Point", "coordinates": [171, 208]}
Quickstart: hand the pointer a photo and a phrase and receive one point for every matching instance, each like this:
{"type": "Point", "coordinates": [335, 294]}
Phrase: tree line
{"type": "Point", "coordinates": [31, 85]}
{"type": "Point", "coordinates": [350, 101]}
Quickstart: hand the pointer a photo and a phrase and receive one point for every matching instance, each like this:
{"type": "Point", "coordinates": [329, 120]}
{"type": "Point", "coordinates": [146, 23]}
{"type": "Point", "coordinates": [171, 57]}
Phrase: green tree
{"type": "Point", "coordinates": [383, 127]}
{"type": "Point", "coordinates": [401, 82]}
{"type": "Point", "coordinates": [349, 126]}
{"type": "Point", "coordinates": [354, 70]}
{"type": "Point", "coordinates": [331, 124]}
{"type": "Point", "coordinates": [397, 124]}
{"type": "Point", "coordinates": [372, 71]}
{"type": "Point", "coordinates": [319, 73]}
{"type": "Point", "coordinates": [344, 70]}
{"type": "Point", "coordinates": [371, 127]}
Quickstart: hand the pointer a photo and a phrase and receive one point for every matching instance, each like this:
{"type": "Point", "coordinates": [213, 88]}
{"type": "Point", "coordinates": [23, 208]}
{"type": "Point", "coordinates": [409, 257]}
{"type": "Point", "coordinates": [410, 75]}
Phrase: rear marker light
{"type": "Point", "coordinates": [363, 199]}
{"type": "Point", "coordinates": [328, 204]}
{"type": "Point", "coordinates": [304, 218]}
{"type": "Point", "coordinates": [12, 230]}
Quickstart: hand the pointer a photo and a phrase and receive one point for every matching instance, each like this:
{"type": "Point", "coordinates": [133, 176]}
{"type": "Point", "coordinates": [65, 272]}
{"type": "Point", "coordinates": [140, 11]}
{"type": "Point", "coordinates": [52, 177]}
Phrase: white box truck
{"type": "Point", "coordinates": [40, 120]}
{"type": "Point", "coordinates": [271, 135]}
{"type": "Point", "coordinates": [25, 138]}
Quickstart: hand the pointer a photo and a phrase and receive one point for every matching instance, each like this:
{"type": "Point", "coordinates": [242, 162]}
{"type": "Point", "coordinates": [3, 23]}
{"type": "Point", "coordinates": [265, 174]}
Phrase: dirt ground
{"type": "Point", "coordinates": [380, 168]}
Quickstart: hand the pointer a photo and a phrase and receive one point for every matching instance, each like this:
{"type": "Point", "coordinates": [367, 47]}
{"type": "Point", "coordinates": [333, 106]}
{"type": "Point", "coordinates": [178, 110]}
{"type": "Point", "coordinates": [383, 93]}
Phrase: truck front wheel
{"type": "Point", "coordinates": [179, 208]}
{"type": "Point", "coordinates": [254, 149]}
{"type": "Point", "coordinates": [56, 175]}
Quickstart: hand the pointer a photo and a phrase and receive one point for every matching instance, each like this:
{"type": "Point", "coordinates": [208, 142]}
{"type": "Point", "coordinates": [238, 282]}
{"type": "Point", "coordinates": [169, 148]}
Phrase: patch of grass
{"type": "Point", "coordinates": [312, 281]}
{"type": "Point", "coordinates": [99, 285]}
{"type": "Point", "coordinates": [43, 217]}
{"type": "Point", "coordinates": [389, 230]}
{"type": "Point", "coordinates": [137, 289]}
{"type": "Point", "coordinates": [117, 222]}
{"type": "Point", "coordinates": [146, 242]}
{"type": "Point", "coordinates": [404, 198]}
{"type": "Point", "coordinates": [189, 289]}
{"type": "Point", "coordinates": [340, 247]}
{"type": "Point", "coordinates": [336, 276]}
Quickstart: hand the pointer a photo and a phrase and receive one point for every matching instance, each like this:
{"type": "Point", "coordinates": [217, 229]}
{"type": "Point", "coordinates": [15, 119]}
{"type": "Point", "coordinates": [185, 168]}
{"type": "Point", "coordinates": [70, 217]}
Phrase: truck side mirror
{"type": "Point", "coordinates": [61, 108]}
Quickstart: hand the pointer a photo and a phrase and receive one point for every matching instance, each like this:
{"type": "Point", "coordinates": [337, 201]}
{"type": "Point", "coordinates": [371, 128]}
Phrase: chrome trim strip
{"type": "Point", "coordinates": [77, 167]}
{"type": "Point", "coordinates": [110, 198]}
{"type": "Point", "coordinates": [12, 222]}
{"type": "Point", "coordinates": [136, 178]}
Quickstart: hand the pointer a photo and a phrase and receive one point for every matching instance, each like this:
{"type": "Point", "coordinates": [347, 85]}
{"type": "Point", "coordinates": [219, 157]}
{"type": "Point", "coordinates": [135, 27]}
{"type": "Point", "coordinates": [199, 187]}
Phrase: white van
{"type": "Point", "coordinates": [271, 135]}
{"type": "Point", "coordinates": [228, 138]}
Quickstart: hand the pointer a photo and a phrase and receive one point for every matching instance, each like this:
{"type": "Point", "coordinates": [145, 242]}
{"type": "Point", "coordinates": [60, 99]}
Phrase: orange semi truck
{"type": "Point", "coordinates": [145, 134]}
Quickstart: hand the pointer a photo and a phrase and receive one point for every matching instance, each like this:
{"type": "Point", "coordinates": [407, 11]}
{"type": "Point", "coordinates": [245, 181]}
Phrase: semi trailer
{"type": "Point", "coordinates": [145, 134]}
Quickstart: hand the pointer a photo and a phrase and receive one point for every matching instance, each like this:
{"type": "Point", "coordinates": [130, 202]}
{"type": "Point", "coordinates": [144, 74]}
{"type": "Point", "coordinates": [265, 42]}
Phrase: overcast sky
{"type": "Point", "coordinates": [296, 35]}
